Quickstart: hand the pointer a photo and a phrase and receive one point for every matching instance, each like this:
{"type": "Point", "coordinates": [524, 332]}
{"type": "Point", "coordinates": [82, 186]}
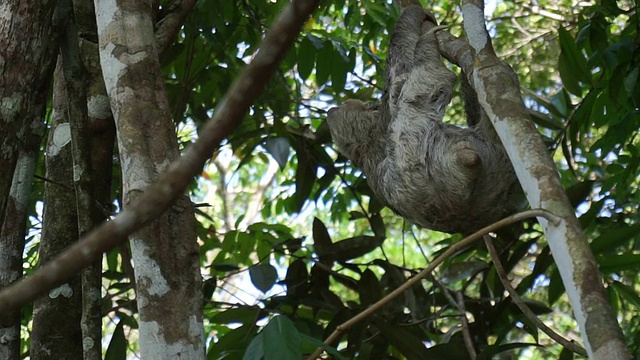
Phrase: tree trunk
{"type": "Point", "coordinates": [27, 43]}
{"type": "Point", "coordinates": [500, 97]}
{"type": "Point", "coordinates": [165, 252]}
{"type": "Point", "coordinates": [63, 305]}
{"type": "Point", "coordinates": [12, 245]}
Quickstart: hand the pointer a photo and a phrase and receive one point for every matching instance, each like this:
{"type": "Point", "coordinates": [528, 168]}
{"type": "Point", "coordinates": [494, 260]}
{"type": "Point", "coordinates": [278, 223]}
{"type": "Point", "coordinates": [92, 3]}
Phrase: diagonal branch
{"type": "Point", "coordinates": [426, 271]}
{"type": "Point", "coordinates": [173, 182]}
{"type": "Point", "coordinates": [502, 275]}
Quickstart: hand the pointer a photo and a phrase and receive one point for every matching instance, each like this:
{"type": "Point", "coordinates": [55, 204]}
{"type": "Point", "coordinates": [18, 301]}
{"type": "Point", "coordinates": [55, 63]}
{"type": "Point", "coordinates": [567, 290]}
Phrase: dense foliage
{"type": "Point", "coordinates": [292, 241]}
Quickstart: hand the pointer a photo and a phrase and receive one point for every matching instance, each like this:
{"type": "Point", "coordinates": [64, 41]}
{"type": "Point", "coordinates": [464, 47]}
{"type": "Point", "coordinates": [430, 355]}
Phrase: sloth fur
{"type": "Point", "coordinates": [438, 176]}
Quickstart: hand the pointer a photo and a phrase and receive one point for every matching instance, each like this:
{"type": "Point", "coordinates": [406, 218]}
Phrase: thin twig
{"type": "Point", "coordinates": [552, 218]}
{"type": "Point", "coordinates": [523, 307]}
{"type": "Point", "coordinates": [466, 335]}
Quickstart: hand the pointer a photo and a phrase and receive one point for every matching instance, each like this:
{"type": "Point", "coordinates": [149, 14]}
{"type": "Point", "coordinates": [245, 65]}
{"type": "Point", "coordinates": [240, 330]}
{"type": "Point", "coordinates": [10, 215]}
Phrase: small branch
{"type": "Point", "coordinates": [495, 258]}
{"type": "Point", "coordinates": [450, 251]}
{"type": "Point", "coordinates": [172, 184]}
{"type": "Point", "coordinates": [466, 336]}
{"type": "Point", "coordinates": [169, 25]}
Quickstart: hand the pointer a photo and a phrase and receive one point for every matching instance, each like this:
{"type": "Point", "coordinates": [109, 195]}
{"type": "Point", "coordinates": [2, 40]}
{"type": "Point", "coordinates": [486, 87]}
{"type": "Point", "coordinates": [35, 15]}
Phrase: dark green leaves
{"type": "Point", "coordinates": [263, 276]}
{"type": "Point", "coordinates": [572, 64]}
{"type": "Point", "coordinates": [279, 340]}
{"type": "Point", "coordinates": [117, 349]}
{"type": "Point", "coordinates": [279, 148]}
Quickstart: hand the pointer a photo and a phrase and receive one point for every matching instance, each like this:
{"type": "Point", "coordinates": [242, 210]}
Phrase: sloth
{"type": "Point", "coordinates": [438, 176]}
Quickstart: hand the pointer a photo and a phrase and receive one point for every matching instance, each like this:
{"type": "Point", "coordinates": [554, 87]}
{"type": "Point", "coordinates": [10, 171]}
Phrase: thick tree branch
{"type": "Point", "coordinates": [499, 95]}
{"type": "Point", "coordinates": [173, 182]}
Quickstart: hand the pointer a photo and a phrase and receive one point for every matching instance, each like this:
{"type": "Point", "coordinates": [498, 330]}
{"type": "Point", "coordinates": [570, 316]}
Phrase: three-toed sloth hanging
{"type": "Point", "coordinates": [438, 176]}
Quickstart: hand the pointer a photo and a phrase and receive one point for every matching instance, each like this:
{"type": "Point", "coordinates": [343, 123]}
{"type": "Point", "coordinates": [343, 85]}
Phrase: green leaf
{"type": "Point", "coordinates": [340, 68]}
{"type": "Point", "coordinates": [568, 76]}
{"type": "Point", "coordinates": [545, 120]}
{"type": "Point", "coordinates": [578, 192]}
{"type": "Point", "coordinates": [246, 315]}
{"type": "Point", "coordinates": [320, 344]}
{"type": "Point", "coordinates": [263, 276]}
{"type": "Point", "coordinates": [462, 270]}
{"type": "Point", "coordinates": [573, 65]}
{"type": "Point", "coordinates": [454, 349]}
{"type": "Point", "coordinates": [208, 287]}
{"type": "Point", "coordinates": [407, 342]}
{"type": "Point", "coordinates": [556, 287]}
{"type": "Point", "coordinates": [377, 225]}
{"type": "Point", "coordinates": [321, 239]}
{"type": "Point", "coordinates": [255, 350]}
{"type": "Point", "coordinates": [117, 349]}
{"type": "Point", "coordinates": [565, 354]}
{"type": "Point", "coordinates": [615, 169]}
{"type": "Point", "coordinates": [232, 344]}
{"type": "Point", "coordinates": [324, 63]}
{"type": "Point", "coordinates": [561, 102]}
{"type": "Point", "coordinates": [297, 278]}
{"type": "Point", "coordinates": [626, 292]}
{"type": "Point", "coordinates": [305, 178]}
{"type": "Point", "coordinates": [369, 288]}
{"type": "Point", "coordinates": [279, 148]}
{"type": "Point", "coordinates": [281, 340]}
{"type": "Point", "coordinates": [354, 247]}
{"type": "Point", "coordinates": [618, 263]}
{"type": "Point", "coordinates": [611, 238]}
{"type": "Point", "coordinates": [632, 85]}
{"type": "Point", "coordinates": [306, 58]}
{"type": "Point", "coordinates": [490, 351]}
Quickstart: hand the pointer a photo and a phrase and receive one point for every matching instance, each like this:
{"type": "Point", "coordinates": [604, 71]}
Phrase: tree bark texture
{"type": "Point", "coordinates": [27, 43]}
{"type": "Point", "coordinates": [62, 305]}
{"type": "Point", "coordinates": [165, 253]}
{"type": "Point", "coordinates": [13, 233]}
{"type": "Point", "coordinates": [76, 79]}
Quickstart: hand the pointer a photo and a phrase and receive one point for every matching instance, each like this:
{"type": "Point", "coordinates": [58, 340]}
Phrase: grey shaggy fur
{"type": "Point", "coordinates": [438, 176]}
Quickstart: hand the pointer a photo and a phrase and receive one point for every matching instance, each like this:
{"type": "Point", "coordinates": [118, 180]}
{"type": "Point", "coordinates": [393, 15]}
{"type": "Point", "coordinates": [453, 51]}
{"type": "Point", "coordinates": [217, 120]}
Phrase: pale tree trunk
{"type": "Point", "coordinates": [61, 306]}
{"type": "Point", "coordinates": [27, 44]}
{"type": "Point", "coordinates": [165, 253]}
{"type": "Point", "coordinates": [499, 95]}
